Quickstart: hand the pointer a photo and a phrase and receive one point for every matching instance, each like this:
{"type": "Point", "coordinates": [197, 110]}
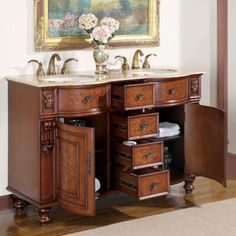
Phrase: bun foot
{"type": "Point", "coordinates": [188, 186]}
{"type": "Point", "coordinates": [18, 204]}
{"type": "Point", "coordinates": [44, 215]}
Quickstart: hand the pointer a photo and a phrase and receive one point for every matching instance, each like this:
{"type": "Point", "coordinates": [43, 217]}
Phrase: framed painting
{"type": "Point", "coordinates": [56, 22]}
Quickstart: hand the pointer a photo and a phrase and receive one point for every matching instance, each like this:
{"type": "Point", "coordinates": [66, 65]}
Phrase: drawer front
{"type": "Point", "coordinates": [138, 156]}
{"type": "Point", "coordinates": [143, 184]}
{"type": "Point", "coordinates": [139, 96]}
{"type": "Point", "coordinates": [143, 126]}
{"type": "Point", "coordinates": [82, 99]}
{"type": "Point", "coordinates": [147, 154]}
{"type": "Point", "coordinates": [133, 96]}
{"type": "Point", "coordinates": [153, 185]}
{"type": "Point", "coordinates": [172, 91]}
{"type": "Point", "coordinates": [135, 127]}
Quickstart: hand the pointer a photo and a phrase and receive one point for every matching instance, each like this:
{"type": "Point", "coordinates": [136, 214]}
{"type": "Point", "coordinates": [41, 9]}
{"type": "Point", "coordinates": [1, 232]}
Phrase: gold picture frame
{"type": "Point", "coordinates": [45, 38]}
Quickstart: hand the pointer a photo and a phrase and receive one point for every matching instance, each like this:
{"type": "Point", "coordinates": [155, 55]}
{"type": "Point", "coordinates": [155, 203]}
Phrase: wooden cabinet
{"type": "Point", "coordinates": [56, 133]}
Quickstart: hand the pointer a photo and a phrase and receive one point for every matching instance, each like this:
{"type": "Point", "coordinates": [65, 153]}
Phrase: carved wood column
{"type": "Point", "coordinates": [47, 136]}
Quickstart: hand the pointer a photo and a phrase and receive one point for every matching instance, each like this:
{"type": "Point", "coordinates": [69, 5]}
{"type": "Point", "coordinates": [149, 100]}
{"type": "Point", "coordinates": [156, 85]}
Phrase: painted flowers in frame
{"type": "Point", "coordinates": [57, 26]}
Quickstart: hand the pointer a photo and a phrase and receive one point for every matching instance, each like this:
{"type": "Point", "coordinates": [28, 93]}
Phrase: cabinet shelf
{"type": "Point", "coordinates": [154, 139]}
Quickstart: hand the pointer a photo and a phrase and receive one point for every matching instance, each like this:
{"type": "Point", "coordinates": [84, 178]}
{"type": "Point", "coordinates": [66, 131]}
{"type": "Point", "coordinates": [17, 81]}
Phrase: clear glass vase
{"type": "Point", "coordinates": [101, 56]}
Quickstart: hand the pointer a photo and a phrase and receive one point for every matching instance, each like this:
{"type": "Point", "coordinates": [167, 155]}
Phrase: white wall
{"type": "Point", "coordinates": [231, 76]}
{"type": "Point", "coordinates": [185, 42]}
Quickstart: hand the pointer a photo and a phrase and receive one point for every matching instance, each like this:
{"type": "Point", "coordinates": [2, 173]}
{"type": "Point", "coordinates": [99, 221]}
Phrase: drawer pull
{"type": "Point", "coordinates": [88, 99]}
{"type": "Point", "coordinates": [144, 126]}
{"type": "Point", "coordinates": [149, 155]}
{"type": "Point", "coordinates": [155, 185]}
{"type": "Point", "coordinates": [172, 91]}
{"type": "Point", "coordinates": [140, 96]}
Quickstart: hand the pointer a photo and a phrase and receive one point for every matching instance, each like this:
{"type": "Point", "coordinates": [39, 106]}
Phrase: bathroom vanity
{"type": "Point", "coordinates": [53, 161]}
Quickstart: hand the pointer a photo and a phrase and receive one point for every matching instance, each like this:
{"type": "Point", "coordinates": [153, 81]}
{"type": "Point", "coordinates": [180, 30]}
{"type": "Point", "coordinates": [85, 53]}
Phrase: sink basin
{"type": "Point", "coordinates": [154, 72]}
{"type": "Point", "coordinates": [68, 78]}
{"type": "Point", "coordinates": [56, 79]}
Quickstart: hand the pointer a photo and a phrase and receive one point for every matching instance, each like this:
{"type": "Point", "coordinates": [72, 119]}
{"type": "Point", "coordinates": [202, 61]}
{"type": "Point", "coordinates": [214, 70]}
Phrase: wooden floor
{"type": "Point", "coordinates": [125, 209]}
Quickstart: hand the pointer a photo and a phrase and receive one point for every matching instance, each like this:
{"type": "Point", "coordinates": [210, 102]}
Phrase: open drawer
{"type": "Point", "coordinates": [144, 183]}
{"type": "Point", "coordinates": [135, 126]}
{"type": "Point", "coordinates": [144, 154]}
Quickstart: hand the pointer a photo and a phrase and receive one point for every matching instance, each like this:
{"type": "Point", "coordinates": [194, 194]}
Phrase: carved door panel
{"type": "Point", "coordinates": [76, 169]}
{"type": "Point", "coordinates": [205, 142]}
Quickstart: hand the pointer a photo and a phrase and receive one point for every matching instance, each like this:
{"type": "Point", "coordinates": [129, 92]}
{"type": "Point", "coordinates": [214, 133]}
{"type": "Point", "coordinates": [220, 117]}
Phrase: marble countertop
{"type": "Point", "coordinates": [90, 78]}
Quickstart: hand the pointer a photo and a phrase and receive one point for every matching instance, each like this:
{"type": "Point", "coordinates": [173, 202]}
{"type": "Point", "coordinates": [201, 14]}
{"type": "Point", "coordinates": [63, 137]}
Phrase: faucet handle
{"type": "Point", "coordinates": [146, 64]}
{"type": "Point", "coordinates": [64, 69]}
{"type": "Point", "coordinates": [40, 71]}
{"type": "Point", "coordinates": [125, 65]}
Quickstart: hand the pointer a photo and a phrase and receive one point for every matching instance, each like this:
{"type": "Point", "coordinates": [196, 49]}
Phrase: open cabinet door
{"type": "Point", "coordinates": [204, 142]}
{"type": "Point", "coordinates": [76, 169]}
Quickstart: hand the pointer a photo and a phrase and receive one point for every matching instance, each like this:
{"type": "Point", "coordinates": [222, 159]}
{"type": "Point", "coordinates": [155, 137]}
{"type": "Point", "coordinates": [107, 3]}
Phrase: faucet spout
{"type": "Point", "coordinates": [135, 63]}
{"type": "Point", "coordinates": [51, 66]}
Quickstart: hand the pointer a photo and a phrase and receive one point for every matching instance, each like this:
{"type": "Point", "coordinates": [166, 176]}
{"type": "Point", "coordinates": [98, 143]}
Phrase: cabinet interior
{"type": "Point", "coordinates": [100, 124]}
{"type": "Point", "coordinates": [105, 166]}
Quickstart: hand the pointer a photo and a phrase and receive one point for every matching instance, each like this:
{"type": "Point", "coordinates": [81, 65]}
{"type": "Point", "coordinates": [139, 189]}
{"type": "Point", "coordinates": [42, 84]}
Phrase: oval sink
{"type": "Point", "coordinates": [154, 72]}
{"type": "Point", "coordinates": [57, 79]}
{"type": "Point", "coordinates": [69, 78]}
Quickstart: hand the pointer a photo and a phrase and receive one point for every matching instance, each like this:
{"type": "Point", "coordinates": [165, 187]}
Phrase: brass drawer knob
{"type": "Point", "coordinates": [88, 99]}
{"type": "Point", "coordinates": [144, 126]}
{"type": "Point", "coordinates": [149, 155]}
{"type": "Point", "coordinates": [140, 96]}
{"type": "Point", "coordinates": [172, 91]}
{"type": "Point", "coordinates": [154, 185]}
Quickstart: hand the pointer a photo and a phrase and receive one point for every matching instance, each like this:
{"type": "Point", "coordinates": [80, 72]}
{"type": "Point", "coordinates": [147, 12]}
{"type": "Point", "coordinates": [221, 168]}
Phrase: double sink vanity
{"type": "Point", "coordinates": [53, 159]}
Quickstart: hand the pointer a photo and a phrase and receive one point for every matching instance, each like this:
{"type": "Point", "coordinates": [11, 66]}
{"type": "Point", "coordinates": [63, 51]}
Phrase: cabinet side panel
{"type": "Point", "coordinates": [23, 149]}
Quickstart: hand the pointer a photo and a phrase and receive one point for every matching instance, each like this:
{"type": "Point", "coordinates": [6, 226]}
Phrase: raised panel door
{"type": "Point", "coordinates": [75, 169]}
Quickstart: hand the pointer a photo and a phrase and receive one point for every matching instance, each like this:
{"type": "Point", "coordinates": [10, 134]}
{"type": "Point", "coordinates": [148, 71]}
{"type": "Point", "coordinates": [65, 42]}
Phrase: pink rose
{"type": "Point", "coordinates": [101, 34]}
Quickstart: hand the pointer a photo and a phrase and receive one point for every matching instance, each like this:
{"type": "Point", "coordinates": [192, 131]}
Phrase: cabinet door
{"type": "Point", "coordinates": [75, 169]}
{"type": "Point", "coordinates": [204, 142]}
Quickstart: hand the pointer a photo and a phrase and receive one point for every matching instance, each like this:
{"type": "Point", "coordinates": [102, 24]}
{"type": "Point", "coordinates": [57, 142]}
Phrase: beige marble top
{"type": "Point", "coordinates": [90, 78]}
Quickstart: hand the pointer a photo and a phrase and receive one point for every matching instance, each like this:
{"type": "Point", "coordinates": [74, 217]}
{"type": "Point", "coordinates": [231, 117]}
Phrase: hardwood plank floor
{"type": "Point", "coordinates": [125, 208]}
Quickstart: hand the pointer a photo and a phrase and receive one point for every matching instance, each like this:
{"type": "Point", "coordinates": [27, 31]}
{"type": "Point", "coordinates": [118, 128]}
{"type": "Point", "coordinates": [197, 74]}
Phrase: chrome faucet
{"type": "Point", "coordinates": [135, 63]}
{"type": "Point", "coordinates": [51, 66]}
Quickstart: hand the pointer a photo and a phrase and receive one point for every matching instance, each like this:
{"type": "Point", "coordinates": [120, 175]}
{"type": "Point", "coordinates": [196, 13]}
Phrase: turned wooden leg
{"type": "Point", "coordinates": [188, 186]}
{"type": "Point", "coordinates": [44, 215]}
{"type": "Point", "coordinates": [18, 204]}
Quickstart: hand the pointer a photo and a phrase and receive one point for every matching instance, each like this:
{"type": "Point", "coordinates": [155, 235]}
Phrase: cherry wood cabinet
{"type": "Point", "coordinates": [53, 161]}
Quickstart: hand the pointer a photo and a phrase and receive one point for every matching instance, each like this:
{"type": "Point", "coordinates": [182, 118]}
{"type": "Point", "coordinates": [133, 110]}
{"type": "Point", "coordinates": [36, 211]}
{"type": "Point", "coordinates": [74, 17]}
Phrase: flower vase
{"type": "Point", "coordinates": [100, 55]}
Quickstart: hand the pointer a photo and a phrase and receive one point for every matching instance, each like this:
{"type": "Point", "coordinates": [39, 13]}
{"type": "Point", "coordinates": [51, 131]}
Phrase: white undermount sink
{"type": "Point", "coordinates": [67, 78]}
{"type": "Point", "coordinates": [57, 79]}
{"type": "Point", "coordinates": [153, 72]}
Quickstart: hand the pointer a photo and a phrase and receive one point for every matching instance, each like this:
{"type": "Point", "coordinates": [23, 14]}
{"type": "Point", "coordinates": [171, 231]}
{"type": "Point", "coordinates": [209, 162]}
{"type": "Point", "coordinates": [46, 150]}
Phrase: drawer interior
{"type": "Point", "coordinates": [143, 154]}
